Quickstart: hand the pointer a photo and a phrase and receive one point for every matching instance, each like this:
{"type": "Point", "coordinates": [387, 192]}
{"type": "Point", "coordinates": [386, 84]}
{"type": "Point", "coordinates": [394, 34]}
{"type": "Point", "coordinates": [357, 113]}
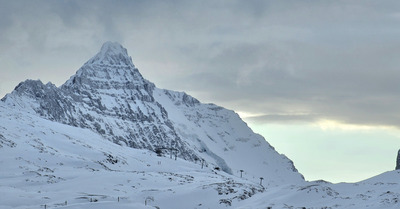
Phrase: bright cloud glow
{"type": "Point", "coordinates": [331, 125]}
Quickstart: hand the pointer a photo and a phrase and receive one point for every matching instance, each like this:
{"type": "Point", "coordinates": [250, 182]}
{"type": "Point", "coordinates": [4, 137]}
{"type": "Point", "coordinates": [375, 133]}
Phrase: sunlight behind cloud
{"type": "Point", "coordinates": [248, 114]}
{"type": "Point", "coordinates": [332, 125]}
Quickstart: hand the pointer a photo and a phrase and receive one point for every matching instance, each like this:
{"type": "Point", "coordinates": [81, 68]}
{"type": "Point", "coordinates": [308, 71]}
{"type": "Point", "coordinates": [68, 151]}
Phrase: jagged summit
{"type": "Point", "coordinates": [111, 67]}
{"type": "Point", "coordinates": [112, 54]}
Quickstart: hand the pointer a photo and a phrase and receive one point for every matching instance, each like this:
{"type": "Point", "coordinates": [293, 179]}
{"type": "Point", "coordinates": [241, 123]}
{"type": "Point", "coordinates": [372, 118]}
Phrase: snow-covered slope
{"type": "Point", "coordinates": [61, 166]}
{"type": "Point", "coordinates": [220, 136]}
{"type": "Point", "coordinates": [109, 96]}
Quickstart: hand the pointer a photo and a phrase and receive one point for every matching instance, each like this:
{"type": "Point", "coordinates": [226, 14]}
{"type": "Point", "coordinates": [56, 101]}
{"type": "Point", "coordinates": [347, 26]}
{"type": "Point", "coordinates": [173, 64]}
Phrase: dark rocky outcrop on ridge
{"type": "Point", "coordinates": [398, 160]}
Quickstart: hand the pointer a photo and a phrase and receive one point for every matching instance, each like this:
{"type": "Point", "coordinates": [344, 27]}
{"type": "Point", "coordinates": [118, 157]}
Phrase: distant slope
{"type": "Point", "coordinates": [382, 191]}
{"type": "Point", "coordinates": [220, 136]}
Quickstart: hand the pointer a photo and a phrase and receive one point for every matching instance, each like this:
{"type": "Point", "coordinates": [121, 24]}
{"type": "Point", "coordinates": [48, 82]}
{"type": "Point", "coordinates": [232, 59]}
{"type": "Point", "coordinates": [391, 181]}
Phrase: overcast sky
{"type": "Point", "coordinates": [329, 67]}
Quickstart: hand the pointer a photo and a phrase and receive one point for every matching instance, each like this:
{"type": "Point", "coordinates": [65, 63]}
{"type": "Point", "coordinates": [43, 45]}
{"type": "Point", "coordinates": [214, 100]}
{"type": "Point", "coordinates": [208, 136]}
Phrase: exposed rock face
{"type": "Point", "coordinates": [398, 160]}
{"type": "Point", "coordinates": [109, 96]}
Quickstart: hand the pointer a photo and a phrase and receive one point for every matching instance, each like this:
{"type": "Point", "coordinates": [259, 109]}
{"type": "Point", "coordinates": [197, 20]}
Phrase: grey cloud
{"type": "Point", "coordinates": [343, 84]}
{"type": "Point", "coordinates": [286, 60]}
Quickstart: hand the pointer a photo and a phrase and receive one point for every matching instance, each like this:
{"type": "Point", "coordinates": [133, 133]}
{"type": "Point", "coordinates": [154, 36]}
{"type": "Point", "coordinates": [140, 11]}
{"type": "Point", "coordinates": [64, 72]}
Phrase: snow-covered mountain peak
{"type": "Point", "coordinates": [110, 68]}
{"type": "Point", "coordinates": [112, 54]}
{"type": "Point", "coordinates": [110, 97]}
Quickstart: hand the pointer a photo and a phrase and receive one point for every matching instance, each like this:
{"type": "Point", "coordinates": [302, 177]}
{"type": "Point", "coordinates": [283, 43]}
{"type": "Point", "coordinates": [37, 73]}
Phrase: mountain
{"type": "Point", "coordinates": [109, 96]}
{"type": "Point", "coordinates": [108, 138]}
